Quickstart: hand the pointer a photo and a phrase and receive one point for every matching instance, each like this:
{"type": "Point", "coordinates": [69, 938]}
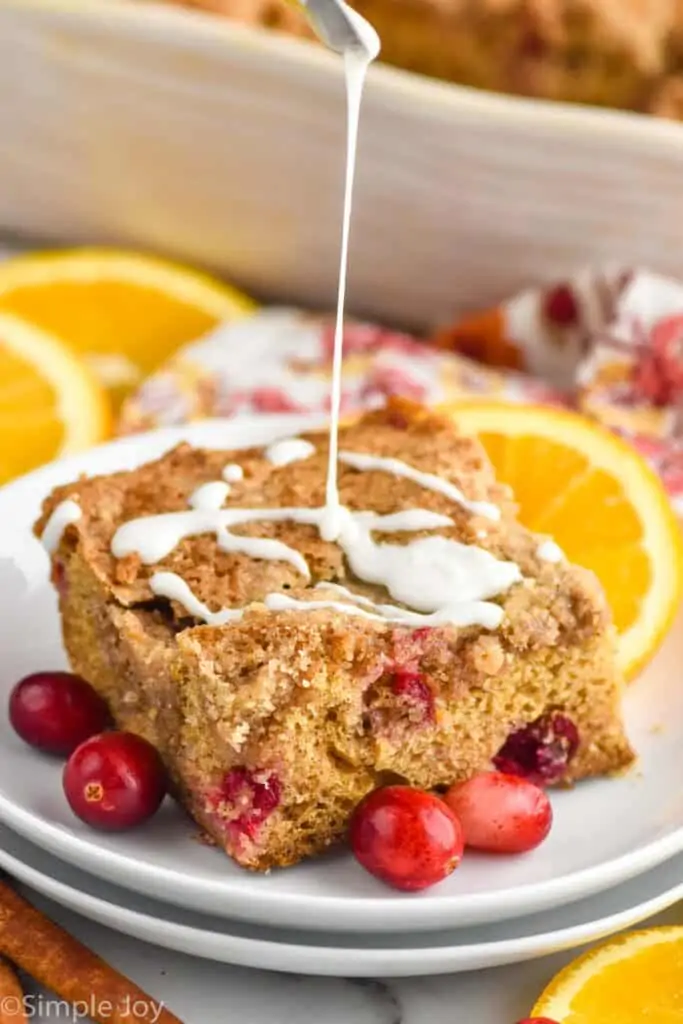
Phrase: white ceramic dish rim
{"type": "Point", "coordinates": [426, 96]}
{"type": "Point", "coordinates": [326, 960]}
{"type": "Point", "coordinates": [174, 886]}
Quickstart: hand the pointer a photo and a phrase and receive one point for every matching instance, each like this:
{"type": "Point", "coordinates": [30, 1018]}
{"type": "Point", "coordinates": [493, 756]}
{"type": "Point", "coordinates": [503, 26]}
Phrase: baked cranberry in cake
{"type": "Point", "coordinates": [541, 751]}
{"type": "Point", "coordinates": [413, 689]}
{"type": "Point", "coordinates": [244, 800]}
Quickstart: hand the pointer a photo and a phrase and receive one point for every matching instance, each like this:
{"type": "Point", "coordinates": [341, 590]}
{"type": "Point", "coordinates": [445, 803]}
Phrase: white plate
{"type": "Point", "coordinates": [351, 955]}
{"type": "Point", "coordinates": [605, 831]}
{"type": "Point", "coordinates": [173, 131]}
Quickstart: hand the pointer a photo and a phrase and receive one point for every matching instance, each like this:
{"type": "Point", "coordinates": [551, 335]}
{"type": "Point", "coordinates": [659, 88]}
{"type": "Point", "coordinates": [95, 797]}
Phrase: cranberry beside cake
{"type": "Point", "coordinates": [282, 675]}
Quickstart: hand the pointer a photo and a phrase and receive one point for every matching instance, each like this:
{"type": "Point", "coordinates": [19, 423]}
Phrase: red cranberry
{"type": "Point", "coordinates": [406, 837]}
{"type": "Point", "coordinates": [541, 751]}
{"type": "Point", "coordinates": [55, 711]}
{"type": "Point", "coordinates": [114, 781]}
{"type": "Point", "coordinates": [59, 577]}
{"type": "Point", "coordinates": [416, 692]}
{"type": "Point", "coordinates": [501, 813]}
{"type": "Point", "coordinates": [560, 306]}
{"type": "Point", "coordinates": [252, 796]}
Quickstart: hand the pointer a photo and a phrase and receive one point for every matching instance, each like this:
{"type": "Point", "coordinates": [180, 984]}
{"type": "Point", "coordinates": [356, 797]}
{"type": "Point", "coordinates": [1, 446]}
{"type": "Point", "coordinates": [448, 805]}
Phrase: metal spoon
{"type": "Point", "coordinates": [341, 28]}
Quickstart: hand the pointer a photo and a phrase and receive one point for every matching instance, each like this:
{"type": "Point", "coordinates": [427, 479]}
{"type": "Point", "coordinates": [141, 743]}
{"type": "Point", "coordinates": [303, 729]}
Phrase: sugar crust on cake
{"type": "Point", "coordinates": [275, 726]}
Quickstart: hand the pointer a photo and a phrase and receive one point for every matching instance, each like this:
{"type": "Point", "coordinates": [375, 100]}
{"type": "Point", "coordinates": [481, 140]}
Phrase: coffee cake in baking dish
{"type": "Point", "coordinates": [615, 53]}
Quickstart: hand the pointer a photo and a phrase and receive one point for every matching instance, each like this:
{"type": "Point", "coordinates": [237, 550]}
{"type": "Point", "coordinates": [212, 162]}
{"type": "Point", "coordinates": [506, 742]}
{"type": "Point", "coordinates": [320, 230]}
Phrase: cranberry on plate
{"type": "Point", "coordinates": [501, 813]}
{"type": "Point", "coordinates": [114, 781]}
{"type": "Point", "coordinates": [406, 837]}
{"type": "Point", "coordinates": [55, 711]}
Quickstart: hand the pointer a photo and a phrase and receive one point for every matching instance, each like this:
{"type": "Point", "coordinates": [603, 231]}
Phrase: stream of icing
{"type": "Point", "coordinates": [439, 579]}
{"type": "Point", "coordinates": [356, 64]}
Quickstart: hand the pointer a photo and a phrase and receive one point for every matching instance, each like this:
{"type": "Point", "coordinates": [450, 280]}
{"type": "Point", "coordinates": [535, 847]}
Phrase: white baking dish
{"type": "Point", "coordinates": [161, 128]}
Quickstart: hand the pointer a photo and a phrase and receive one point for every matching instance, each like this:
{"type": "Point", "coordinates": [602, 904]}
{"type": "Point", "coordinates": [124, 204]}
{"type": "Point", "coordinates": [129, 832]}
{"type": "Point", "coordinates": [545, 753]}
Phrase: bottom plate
{"type": "Point", "coordinates": [342, 955]}
{"type": "Point", "coordinates": [583, 855]}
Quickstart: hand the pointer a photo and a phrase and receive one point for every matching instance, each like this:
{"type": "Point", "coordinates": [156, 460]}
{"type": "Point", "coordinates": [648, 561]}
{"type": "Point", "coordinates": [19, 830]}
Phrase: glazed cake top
{"type": "Point", "coordinates": [553, 603]}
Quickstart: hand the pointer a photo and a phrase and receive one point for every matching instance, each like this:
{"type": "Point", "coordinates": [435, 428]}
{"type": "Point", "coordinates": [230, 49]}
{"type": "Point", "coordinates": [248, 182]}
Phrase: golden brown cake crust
{"type": "Point", "coordinates": [275, 725]}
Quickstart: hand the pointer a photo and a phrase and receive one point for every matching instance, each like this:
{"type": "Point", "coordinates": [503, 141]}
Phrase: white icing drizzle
{"type": "Point", "coordinates": [432, 573]}
{"type": "Point", "coordinates": [549, 551]}
{"type": "Point", "coordinates": [456, 615]}
{"type": "Point", "coordinates": [449, 581]}
{"type": "Point", "coordinates": [356, 64]}
{"type": "Point", "coordinates": [174, 587]}
{"type": "Point", "coordinates": [369, 463]}
{"type": "Point", "coordinates": [209, 496]}
{"type": "Point", "coordinates": [66, 513]}
{"type": "Point", "coordinates": [153, 538]}
{"type": "Point", "coordinates": [285, 603]}
{"type": "Point", "coordinates": [337, 588]}
{"type": "Point", "coordinates": [233, 473]}
{"type": "Point", "coordinates": [439, 579]}
{"type": "Point", "coordinates": [292, 449]}
{"type": "Point", "coordinates": [479, 613]}
{"type": "Point", "coordinates": [264, 548]}
{"type": "Point", "coordinates": [410, 520]}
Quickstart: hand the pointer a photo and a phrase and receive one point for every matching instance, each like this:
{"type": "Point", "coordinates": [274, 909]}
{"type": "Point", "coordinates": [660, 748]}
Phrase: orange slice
{"type": "Point", "coordinates": [635, 978]}
{"type": "Point", "coordinates": [124, 312]}
{"type": "Point", "coordinates": [600, 501]}
{"type": "Point", "coordinates": [50, 402]}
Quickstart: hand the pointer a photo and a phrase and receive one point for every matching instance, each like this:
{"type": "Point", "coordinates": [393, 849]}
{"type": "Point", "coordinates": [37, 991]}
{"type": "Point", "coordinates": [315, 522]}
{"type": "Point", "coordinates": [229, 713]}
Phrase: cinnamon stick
{"type": "Point", "coordinates": [12, 1007]}
{"type": "Point", "coordinates": [69, 969]}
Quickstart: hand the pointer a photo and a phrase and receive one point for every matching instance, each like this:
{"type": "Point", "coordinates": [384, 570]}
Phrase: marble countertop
{"type": "Point", "coordinates": [200, 992]}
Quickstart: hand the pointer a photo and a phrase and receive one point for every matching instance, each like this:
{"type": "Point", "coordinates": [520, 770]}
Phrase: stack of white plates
{"type": "Point", "coordinates": [613, 858]}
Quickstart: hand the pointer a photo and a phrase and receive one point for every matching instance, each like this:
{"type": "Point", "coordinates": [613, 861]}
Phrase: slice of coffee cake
{"type": "Point", "coordinates": [283, 675]}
